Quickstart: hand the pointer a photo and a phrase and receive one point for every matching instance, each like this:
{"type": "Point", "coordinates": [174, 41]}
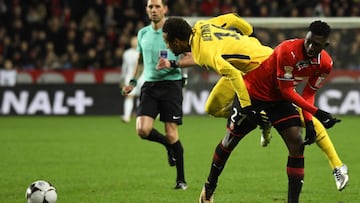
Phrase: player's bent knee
{"type": "Point", "coordinates": [217, 111]}
{"type": "Point", "coordinates": [143, 133]}
{"type": "Point", "coordinates": [172, 138]}
{"type": "Point", "coordinates": [241, 126]}
{"type": "Point", "coordinates": [217, 114]}
{"type": "Point", "coordinates": [210, 110]}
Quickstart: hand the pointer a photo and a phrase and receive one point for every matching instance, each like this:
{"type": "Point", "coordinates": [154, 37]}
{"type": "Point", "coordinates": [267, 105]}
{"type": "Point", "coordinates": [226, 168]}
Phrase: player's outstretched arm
{"type": "Point", "coordinates": [184, 62]}
{"type": "Point", "coordinates": [233, 21]}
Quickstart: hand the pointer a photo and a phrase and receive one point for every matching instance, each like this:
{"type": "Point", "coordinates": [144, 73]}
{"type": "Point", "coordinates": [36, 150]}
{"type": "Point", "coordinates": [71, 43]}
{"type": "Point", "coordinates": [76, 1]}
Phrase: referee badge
{"type": "Point", "coordinates": [163, 53]}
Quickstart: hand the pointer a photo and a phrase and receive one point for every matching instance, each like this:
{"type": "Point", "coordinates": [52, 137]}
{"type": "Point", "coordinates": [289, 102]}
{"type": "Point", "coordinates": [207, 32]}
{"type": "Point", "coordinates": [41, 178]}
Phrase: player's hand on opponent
{"type": "Point", "coordinates": [326, 118]}
{"type": "Point", "coordinates": [263, 119]}
{"type": "Point", "coordinates": [163, 63]}
{"type": "Point", "coordinates": [126, 89]}
{"type": "Point", "coordinates": [250, 112]}
{"type": "Point", "coordinates": [310, 136]}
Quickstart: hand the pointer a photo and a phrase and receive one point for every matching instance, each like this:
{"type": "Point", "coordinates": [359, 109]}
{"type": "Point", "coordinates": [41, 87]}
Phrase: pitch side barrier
{"type": "Point", "coordinates": [105, 99]}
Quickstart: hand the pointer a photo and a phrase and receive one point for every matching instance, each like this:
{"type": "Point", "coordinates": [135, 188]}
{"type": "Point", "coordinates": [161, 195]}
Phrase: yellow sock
{"type": "Point", "coordinates": [324, 142]}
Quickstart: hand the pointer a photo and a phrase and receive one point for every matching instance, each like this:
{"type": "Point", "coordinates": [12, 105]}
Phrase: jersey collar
{"type": "Point", "coordinates": [315, 60]}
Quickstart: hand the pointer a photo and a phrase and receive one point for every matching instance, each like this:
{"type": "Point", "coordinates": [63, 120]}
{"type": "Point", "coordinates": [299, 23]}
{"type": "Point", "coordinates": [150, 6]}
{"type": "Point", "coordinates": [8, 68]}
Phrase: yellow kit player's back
{"type": "Point", "coordinates": [228, 52]}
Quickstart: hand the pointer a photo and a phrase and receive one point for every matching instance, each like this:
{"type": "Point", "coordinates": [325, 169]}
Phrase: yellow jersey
{"type": "Point", "coordinates": [226, 51]}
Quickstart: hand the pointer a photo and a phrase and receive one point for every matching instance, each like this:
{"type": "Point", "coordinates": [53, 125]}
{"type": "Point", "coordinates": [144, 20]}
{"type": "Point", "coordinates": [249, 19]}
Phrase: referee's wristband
{"type": "Point", "coordinates": [133, 82]}
{"type": "Point", "coordinates": [173, 64]}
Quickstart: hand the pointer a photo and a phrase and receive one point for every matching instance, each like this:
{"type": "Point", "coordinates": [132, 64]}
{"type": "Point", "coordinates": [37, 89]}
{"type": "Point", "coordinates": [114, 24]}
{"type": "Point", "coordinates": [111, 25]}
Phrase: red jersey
{"type": "Point", "coordinates": [276, 77]}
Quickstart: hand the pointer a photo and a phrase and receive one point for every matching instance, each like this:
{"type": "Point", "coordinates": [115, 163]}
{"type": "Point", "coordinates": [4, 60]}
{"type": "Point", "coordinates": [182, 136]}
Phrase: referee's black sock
{"type": "Point", "coordinates": [156, 136]}
{"type": "Point", "coordinates": [179, 155]}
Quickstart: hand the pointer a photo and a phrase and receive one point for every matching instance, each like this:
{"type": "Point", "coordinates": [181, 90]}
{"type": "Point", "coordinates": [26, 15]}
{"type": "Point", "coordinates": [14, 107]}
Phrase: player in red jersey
{"type": "Point", "coordinates": [271, 88]}
{"type": "Point", "coordinates": [292, 62]}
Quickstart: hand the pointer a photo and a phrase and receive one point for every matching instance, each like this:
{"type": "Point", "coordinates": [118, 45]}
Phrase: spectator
{"type": "Point", "coordinates": [209, 7]}
{"type": "Point", "coordinates": [108, 61]}
{"type": "Point", "coordinates": [90, 21]}
{"type": "Point", "coordinates": [66, 17]}
{"type": "Point", "coordinates": [67, 56]}
{"type": "Point", "coordinates": [227, 6]}
{"type": "Point", "coordinates": [87, 41]}
{"type": "Point", "coordinates": [56, 34]}
{"type": "Point", "coordinates": [52, 60]}
{"type": "Point", "coordinates": [180, 8]}
{"type": "Point", "coordinates": [101, 48]}
{"type": "Point", "coordinates": [82, 24]}
{"type": "Point", "coordinates": [92, 60]}
{"type": "Point", "coordinates": [354, 53]}
{"type": "Point", "coordinates": [118, 59]}
{"type": "Point", "coordinates": [8, 74]}
{"type": "Point", "coordinates": [26, 60]}
{"type": "Point", "coordinates": [76, 61]}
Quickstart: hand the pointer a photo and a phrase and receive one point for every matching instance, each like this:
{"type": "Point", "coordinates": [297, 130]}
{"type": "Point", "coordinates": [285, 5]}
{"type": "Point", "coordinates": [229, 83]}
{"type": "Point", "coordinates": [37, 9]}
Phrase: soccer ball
{"type": "Point", "coordinates": [41, 191]}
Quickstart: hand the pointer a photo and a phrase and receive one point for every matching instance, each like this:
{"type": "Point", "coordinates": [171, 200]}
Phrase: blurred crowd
{"type": "Point", "coordinates": [93, 34]}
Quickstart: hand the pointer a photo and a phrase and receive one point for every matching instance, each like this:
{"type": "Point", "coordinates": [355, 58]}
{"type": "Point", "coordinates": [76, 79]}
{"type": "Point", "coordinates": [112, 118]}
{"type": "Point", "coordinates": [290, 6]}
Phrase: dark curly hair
{"type": "Point", "coordinates": [177, 28]}
{"type": "Point", "coordinates": [320, 28]}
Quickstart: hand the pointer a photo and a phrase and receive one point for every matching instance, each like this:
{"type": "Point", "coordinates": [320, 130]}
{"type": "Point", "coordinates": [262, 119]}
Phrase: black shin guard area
{"type": "Point", "coordinates": [155, 136]}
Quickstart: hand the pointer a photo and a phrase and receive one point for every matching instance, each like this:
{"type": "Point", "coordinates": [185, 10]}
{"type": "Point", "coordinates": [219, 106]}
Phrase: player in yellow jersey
{"type": "Point", "coordinates": [229, 53]}
{"type": "Point", "coordinates": [232, 54]}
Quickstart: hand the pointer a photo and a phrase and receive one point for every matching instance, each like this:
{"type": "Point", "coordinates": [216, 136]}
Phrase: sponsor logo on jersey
{"type": "Point", "coordinates": [205, 32]}
{"type": "Point", "coordinates": [302, 64]}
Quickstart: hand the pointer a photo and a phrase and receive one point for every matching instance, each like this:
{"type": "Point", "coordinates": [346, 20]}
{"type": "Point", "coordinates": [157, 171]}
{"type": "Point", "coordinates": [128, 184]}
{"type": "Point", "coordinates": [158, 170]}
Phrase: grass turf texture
{"type": "Point", "coordinates": [101, 160]}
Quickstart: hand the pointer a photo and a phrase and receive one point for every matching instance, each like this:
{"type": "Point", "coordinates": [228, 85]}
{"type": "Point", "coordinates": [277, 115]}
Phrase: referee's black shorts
{"type": "Point", "coordinates": [163, 98]}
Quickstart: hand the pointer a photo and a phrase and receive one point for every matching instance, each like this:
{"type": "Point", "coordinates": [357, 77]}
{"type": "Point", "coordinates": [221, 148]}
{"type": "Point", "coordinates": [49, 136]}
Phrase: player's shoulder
{"type": "Point", "coordinates": [294, 43]}
{"type": "Point", "coordinates": [293, 46]}
{"type": "Point", "coordinates": [325, 55]}
{"type": "Point", "coordinates": [200, 23]}
{"type": "Point", "coordinates": [144, 30]}
{"type": "Point", "coordinates": [326, 59]}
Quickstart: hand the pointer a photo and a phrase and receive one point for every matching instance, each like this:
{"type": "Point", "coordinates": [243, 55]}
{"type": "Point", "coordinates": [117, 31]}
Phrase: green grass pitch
{"type": "Point", "coordinates": [102, 160]}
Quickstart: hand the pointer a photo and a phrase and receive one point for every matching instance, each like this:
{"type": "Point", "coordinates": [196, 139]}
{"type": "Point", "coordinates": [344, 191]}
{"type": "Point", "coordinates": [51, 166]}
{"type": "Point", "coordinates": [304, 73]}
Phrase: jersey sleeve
{"type": "Point", "coordinates": [309, 95]}
{"type": "Point", "coordinates": [139, 38]}
{"type": "Point", "coordinates": [225, 69]}
{"type": "Point", "coordinates": [317, 80]}
{"type": "Point", "coordinates": [286, 79]}
{"type": "Point", "coordinates": [314, 83]}
{"type": "Point", "coordinates": [233, 21]}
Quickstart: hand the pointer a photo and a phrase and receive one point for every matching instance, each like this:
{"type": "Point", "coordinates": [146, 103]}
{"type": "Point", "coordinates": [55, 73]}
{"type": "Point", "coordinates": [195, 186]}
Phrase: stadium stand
{"type": "Point", "coordinates": [112, 77]}
{"type": "Point", "coordinates": [50, 77]}
{"type": "Point", "coordinates": [84, 77]}
{"type": "Point", "coordinates": [24, 78]}
{"type": "Point", "coordinates": [91, 35]}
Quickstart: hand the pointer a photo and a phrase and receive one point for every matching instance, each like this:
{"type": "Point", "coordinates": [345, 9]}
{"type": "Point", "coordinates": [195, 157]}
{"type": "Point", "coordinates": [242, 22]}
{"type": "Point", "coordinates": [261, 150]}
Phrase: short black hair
{"type": "Point", "coordinates": [177, 28]}
{"type": "Point", "coordinates": [165, 2]}
{"type": "Point", "coordinates": [320, 28]}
